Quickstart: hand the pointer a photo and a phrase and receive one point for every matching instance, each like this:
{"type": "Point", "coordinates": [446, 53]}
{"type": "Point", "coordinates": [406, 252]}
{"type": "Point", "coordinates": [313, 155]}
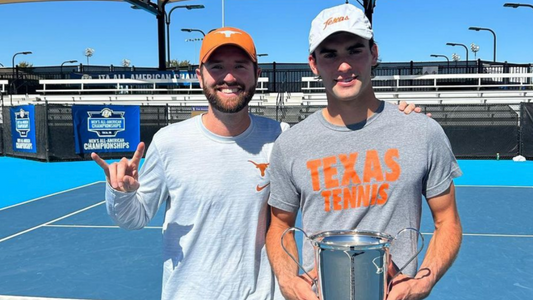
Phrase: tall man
{"type": "Point", "coordinates": [356, 165]}
{"type": "Point", "coordinates": [211, 172]}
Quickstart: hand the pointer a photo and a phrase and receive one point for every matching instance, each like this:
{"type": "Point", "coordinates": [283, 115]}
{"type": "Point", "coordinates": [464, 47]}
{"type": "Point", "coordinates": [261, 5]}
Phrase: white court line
{"type": "Point", "coordinates": [50, 222]}
{"type": "Point", "coordinates": [492, 235]}
{"type": "Point", "coordinates": [424, 233]}
{"type": "Point", "coordinates": [42, 197]}
{"type": "Point", "coordinates": [2, 297]}
{"type": "Point", "coordinates": [497, 186]}
{"type": "Point", "coordinates": [97, 226]}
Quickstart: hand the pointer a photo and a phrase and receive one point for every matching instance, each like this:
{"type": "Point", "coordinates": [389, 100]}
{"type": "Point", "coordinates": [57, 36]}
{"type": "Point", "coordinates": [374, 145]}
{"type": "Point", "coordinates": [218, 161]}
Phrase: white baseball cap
{"type": "Point", "coordinates": [344, 17]}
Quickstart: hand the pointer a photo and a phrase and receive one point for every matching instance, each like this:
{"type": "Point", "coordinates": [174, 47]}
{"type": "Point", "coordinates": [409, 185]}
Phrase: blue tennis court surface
{"type": "Point", "coordinates": [56, 240]}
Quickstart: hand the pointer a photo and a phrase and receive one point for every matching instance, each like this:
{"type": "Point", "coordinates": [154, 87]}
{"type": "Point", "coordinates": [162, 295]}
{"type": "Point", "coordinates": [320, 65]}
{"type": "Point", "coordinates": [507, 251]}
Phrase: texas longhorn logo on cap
{"type": "Point", "coordinates": [227, 36]}
{"type": "Point", "coordinates": [228, 33]}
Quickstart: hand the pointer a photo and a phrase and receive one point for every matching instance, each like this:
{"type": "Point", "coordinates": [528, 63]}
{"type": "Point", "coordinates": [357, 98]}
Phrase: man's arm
{"type": "Point", "coordinates": [292, 286]}
{"type": "Point", "coordinates": [442, 250]}
{"type": "Point", "coordinates": [129, 204]}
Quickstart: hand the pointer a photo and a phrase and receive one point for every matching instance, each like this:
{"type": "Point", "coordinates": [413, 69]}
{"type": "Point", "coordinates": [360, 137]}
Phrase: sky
{"type": "Point", "coordinates": [404, 30]}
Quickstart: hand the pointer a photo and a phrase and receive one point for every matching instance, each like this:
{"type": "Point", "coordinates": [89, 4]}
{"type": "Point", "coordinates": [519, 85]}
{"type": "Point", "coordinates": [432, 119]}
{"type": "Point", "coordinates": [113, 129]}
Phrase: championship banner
{"type": "Point", "coordinates": [23, 128]}
{"type": "Point", "coordinates": [106, 128]}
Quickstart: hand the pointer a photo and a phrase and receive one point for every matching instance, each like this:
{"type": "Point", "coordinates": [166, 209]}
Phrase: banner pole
{"type": "Point", "coordinates": [46, 132]}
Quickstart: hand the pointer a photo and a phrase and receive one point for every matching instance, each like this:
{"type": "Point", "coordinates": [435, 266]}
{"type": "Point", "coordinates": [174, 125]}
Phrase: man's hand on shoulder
{"type": "Point", "coordinates": [409, 108]}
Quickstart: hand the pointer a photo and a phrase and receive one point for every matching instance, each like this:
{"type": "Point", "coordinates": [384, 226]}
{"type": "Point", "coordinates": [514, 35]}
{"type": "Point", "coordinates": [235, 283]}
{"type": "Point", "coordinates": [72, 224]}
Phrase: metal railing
{"type": "Point", "coordinates": [3, 84]}
{"type": "Point", "coordinates": [420, 89]}
{"type": "Point", "coordinates": [282, 77]}
{"type": "Point", "coordinates": [439, 82]}
{"type": "Point", "coordinates": [128, 86]}
{"type": "Point", "coordinates": [439, 88]}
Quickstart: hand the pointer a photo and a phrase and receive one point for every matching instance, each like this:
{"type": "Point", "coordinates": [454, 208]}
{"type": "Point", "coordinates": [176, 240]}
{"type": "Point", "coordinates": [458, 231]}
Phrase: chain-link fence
{"type": "Point", "coordinates": [526, 132]}
{"type": "Point", "coordinates": [480, 131]}
{"type": "Point", "coordinates": [477, 131]}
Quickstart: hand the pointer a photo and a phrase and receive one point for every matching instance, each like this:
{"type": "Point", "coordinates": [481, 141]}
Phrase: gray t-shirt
{"type": "Point", "coordinates": [367, 176]}
{"type": "Point", "coordinates": [215, 189]}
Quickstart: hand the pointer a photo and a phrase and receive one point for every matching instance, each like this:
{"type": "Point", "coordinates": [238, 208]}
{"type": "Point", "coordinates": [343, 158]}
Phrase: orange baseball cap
{"type": "Point", "coordinates": [227, 36]}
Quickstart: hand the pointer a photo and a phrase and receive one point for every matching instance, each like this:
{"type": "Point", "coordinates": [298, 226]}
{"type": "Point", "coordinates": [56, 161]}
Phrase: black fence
{"type": "Point", "coordinates": [526, 132]}
{"type": "Point", "coordinates": [476, 131]}
{"type": "Point", "coordinates": [480, 131]}
{"type": "Point", "coordinates": [283, 77]}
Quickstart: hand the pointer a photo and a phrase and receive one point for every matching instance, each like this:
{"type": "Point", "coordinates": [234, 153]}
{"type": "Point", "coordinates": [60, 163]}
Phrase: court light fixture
{"type": "Point", "coordinates": [167, 21]}
{"type": "Point", "coordinates": [13, 64]}
{"type": "Point", "coordinates": [66, 62]}
{"type": "Point", "coordinates": [517, 5]}
{"type": "Point", "coordinates": [466, 48]}
{"type": "Point", "coordinates": [192, 29]}
{"type": "Point", "coordinates": [493, 34]}
{"type": "Point", "coordinates": [442, 55]}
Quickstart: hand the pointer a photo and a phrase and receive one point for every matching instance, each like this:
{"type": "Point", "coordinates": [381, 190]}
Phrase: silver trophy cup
{"type": "Point", "coordinates": [352, 264]}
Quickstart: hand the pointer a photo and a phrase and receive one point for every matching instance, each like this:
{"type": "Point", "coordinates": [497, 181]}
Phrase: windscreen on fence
{"type": "Point", "coordinates": [526, 134]}
{"type": "Point", "coordinates": [24, 132]}
{"type": "Point", "coordinates": [62, 140]}
{"type": "Point", "coordinates": [53, 136]}
{"type": "Point", "coordinates": [479, 130]}
{"type": "Point", "coordinates": [1, 130]}
{"type": "Point", "coordinates": [474, 130]}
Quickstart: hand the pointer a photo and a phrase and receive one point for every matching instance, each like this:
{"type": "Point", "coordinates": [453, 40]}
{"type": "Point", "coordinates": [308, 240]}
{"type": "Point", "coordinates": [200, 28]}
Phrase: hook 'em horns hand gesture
{"type": "Point", "coordinates": [123, 175]}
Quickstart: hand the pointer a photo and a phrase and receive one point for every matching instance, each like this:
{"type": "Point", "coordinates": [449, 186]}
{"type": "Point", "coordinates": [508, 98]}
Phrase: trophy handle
{"type": "Point", "coordinates": [314, 281]}
{"type": "Point", "coordinates": [411, 259]}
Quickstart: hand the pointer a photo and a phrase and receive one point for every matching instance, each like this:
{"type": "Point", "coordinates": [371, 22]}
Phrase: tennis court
{"type": "Point", "coordinates": [56, 240]}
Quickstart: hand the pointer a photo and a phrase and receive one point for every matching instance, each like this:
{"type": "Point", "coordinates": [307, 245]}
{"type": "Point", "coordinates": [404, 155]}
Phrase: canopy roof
{"type": "Point", "coordinates": [23, 1]}
{"type": "Point", "coordinates": [156, 7]}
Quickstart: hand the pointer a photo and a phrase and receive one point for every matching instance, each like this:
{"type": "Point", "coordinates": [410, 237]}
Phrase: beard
{"type": "Point", "coordinates": [231, 105]}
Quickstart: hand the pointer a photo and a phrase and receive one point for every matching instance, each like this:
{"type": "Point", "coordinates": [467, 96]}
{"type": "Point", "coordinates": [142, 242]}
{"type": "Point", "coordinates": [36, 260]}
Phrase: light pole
{"type": "Point", "coordinates": [466, 49]}
{"type": "Point", "coordinates": [475, 49]}
{"type": "Point", "coordinates": [456, 58]}
{"type": "Point", "coordinates": [441, 55]}
{"type": "Point", "coordinates": [493, 33]}
{"type": "Point", "coordinates": [516, 5]}
{"type": "Point", "coordinates": [66, 62]}
{"type": "Point", "coordinates": [13, 64]}
{"type": "Point", "coordinates": [192, 29]}
{"type": "Point", "coordinates": [167, 21]}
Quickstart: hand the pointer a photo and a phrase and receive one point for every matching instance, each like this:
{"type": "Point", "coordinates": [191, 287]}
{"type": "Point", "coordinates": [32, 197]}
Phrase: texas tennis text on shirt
{"type": "Point", "coordinates": [342, 187]}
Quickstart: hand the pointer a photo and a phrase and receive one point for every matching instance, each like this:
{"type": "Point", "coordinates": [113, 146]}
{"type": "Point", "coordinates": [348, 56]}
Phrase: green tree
{"type": "Point", "coordinates": [174, 63]}
{"type": "Point", "coordinates": [184, 63]}
{"type": "Point", "coordinates": [25, 65]}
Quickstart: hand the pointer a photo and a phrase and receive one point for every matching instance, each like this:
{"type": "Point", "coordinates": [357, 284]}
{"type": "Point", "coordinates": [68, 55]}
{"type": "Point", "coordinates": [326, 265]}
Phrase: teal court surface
{"type": "Point", "coordinates": [56, 240]}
